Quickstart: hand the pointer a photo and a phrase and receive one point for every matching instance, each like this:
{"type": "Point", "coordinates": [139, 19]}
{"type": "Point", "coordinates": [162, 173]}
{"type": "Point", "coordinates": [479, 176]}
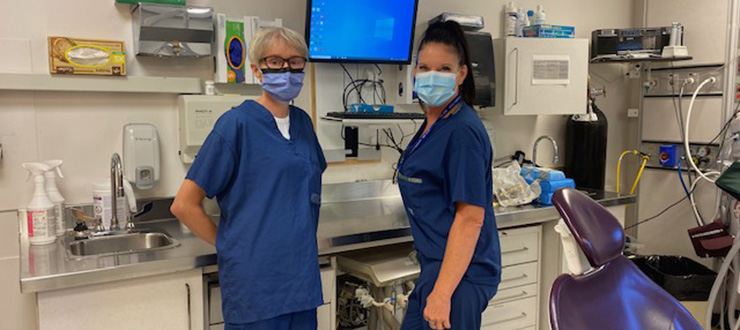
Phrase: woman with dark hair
{"type": "Point", "coordinates": [445, 180]}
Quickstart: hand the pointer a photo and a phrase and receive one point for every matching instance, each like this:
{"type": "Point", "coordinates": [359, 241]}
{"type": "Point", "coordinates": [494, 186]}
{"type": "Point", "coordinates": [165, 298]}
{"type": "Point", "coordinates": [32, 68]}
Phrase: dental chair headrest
{"type": "Point", "coordinates": [596, 231]}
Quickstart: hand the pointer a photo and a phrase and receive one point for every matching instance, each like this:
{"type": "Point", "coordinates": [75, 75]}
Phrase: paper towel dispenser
{"type": "Point", "coordinates": [196, 116]}
{"type": "Point", "coordinates": [173, 31]}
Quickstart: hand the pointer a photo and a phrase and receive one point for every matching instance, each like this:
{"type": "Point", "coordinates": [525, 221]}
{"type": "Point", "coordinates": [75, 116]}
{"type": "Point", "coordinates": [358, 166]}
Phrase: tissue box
{"type": "Point", "coordinates": [549, 31]}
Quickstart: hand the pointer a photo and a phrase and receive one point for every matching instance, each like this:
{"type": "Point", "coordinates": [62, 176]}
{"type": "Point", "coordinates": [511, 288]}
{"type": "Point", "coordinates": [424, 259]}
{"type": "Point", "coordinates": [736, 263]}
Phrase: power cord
{"type": "Point", "coordinates": [356, 86]}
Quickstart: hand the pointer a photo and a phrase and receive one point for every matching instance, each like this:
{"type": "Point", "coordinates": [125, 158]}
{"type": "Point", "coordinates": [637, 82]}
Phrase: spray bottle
{"type": "Point", "coordinates": [510, 19]}
{"type": "Point", "coordinates": [54, 195]}
{"type": "Point", "coordinates": [41, 215]}
{"type": "Point", "coordinates": [520, 21]}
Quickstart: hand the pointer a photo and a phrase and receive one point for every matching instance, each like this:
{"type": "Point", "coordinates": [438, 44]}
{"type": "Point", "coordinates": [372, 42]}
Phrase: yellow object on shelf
{"type": "Point", "coordinates": [86, 56]}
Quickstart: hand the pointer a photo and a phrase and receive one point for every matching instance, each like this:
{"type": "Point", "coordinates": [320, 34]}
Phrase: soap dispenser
{"type": "Point", "coordinates": [141, 164]}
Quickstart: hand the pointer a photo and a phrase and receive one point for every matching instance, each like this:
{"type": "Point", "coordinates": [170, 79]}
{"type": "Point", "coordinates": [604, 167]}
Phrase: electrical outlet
{"type": "Point", "coordinates": [634, 71]}
{"type": "Point", "coordinates": [633, 113]}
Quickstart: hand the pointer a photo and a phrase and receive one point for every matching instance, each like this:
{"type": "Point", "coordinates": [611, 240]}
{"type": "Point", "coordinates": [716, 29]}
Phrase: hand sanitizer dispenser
{"type": "Point", "coordinates": [141, 155]}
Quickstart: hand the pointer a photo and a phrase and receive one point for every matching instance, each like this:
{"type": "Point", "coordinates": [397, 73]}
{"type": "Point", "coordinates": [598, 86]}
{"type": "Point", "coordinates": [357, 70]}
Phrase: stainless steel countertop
{"type": "Point", "coordinates": [353, 216]}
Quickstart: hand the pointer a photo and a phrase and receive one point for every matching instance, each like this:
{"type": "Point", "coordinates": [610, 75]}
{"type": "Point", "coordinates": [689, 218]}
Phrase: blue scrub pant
{"type": "Point", "coordinates": [468, 303]}
{"type": "Point", "coordinates": [305, 320]}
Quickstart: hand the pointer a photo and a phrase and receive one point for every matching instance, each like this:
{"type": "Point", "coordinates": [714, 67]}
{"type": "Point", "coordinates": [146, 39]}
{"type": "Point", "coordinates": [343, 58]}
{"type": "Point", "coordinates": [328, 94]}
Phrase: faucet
{"type": "Point", "coordinates": [116, 186]}
{"type": "Point", "coordinates": [555, 158]}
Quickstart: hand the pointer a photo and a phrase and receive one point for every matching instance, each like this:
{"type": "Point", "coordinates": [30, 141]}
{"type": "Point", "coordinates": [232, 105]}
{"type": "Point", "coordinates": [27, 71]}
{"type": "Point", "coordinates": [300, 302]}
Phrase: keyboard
{"type": "Point", "coordinates": [376, 115]}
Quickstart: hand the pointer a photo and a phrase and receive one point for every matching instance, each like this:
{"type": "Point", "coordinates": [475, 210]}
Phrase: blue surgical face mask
{"type": "Point", "coordinates": [282, 86]}
{"type": "Point", "coordinates": [435, 88]}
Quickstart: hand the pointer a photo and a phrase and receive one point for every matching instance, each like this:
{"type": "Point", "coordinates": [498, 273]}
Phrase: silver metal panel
{"type": "Point", "coordinates": [173, 31]}
{"type": "Point", "coordinates": [382, 266]}
{"type": "Point", "coordinates": [707, 162]}
{"type": "Point", "coordinates": [354, 216]}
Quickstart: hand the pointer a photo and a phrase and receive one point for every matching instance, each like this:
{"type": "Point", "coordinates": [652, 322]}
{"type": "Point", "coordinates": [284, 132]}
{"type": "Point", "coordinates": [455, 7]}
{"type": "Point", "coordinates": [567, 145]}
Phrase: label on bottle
{"type": "Point", "coordinates": [37, 223]}
{"type": "Point", "coordinates": [60, 218]}
{"type": "Point", "coordinates": [51, 218]}
{"type": "Point", "coordinates": [101, 209]}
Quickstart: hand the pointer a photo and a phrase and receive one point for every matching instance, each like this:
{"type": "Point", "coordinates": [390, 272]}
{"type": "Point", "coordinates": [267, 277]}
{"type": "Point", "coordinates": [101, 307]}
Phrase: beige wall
{"type": "Point", "coordinates": [83, 129]}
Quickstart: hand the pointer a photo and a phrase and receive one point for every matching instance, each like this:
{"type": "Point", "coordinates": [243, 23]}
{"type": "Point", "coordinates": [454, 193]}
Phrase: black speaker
{"type": "Point", "coordinates": [481, 57]}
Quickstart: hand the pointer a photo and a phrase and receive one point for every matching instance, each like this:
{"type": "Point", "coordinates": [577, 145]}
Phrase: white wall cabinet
{"type": "Point", "coordinates": [173, 301]}
{"type": "Point", "coordinates": [541, 76]}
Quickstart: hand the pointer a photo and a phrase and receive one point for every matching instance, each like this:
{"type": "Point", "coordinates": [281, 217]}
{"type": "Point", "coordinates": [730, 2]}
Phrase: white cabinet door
{"type": "Point", "coordinates": [173, 301]}
{"type": "Point", "coordinates": [323, 314]}
{"type": "Point", "coordinates": [542, 76]}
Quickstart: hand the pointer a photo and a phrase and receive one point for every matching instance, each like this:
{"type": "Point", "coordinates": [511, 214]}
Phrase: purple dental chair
{"type": "Point", "coordinates": [614, 294]}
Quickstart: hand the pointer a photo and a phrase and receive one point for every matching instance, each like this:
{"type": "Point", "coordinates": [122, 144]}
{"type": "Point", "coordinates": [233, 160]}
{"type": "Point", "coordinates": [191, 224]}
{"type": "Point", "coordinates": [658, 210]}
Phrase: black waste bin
{"type": "Point", "coordinates": [683, 278]}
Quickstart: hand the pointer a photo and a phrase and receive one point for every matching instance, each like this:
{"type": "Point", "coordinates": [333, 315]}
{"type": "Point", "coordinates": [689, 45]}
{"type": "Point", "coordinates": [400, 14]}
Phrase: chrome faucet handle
{"type": "Point", "coordinates": [130, 224]}
{"type": "Point", "coordinates": [99, 228]}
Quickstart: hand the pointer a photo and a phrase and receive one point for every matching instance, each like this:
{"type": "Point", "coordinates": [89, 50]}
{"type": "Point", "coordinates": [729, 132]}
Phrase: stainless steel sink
{"type": "Point", "coordinates": [121, 244]}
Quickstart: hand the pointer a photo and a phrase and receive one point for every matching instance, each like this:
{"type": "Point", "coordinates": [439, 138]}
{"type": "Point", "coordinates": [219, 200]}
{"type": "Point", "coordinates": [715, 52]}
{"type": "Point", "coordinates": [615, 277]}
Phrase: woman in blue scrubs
{"type": "Point", "coordinates": [263, 163]}
{"type": "Point", "coordinates": [445, 180]}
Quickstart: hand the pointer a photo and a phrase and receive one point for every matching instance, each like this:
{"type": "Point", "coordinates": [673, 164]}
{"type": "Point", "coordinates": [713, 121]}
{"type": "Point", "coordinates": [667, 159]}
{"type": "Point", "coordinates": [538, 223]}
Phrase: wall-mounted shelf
{"type": "Point", "coordinates": [373, 123]}
{"type": "Point", "coordinates": [128, 84]}
{"type": "Point", "coordinates": [640, 59]}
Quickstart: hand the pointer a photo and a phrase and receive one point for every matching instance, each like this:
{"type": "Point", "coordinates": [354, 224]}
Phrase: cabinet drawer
{"type": "Point", "coordinates": [518, 275]}
{"type": "Point", "coordinates": [520, 292]}
{"type": "Point", "coordinates": [511, 315]}
{"type": "Point", "coordinates": [323, 313]}
{"type": "Point", "coordinates": [519, 246]}
{"type": "Point", "coordinates": [214, 313]}
{"type": "Point", "coordinates": [328, 277]}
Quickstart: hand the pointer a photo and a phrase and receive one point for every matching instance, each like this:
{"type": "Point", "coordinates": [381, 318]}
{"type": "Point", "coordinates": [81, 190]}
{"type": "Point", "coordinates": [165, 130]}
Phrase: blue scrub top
{"type": "Point", "coordinates": [453, 164]}
{"type": "Point", "coordinates": [269, 192]}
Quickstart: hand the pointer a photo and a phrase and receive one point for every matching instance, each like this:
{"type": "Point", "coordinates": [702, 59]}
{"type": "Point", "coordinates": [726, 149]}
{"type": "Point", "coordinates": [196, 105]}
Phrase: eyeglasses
{"type": "Point", "coordinates": [277, 62]}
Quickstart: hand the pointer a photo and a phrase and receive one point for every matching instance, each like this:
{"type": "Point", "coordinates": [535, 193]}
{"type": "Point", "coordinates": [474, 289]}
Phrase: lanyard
{"type": "Point", "coordinates": [450, 106]}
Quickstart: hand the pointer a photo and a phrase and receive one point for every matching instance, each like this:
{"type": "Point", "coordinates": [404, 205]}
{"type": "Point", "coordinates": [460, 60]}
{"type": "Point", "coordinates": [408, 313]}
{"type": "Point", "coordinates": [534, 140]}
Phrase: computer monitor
{"type": "Point", "coordinates": [361, 31]}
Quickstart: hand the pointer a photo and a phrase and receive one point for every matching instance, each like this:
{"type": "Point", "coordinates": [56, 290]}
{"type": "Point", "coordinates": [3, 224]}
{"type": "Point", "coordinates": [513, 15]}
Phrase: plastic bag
{"type": "Point", "coordinates": [511, 189]}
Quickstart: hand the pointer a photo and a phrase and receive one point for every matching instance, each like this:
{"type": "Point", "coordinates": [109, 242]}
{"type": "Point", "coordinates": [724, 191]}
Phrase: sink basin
{"type": "Point", "coordinates": [121, 244]}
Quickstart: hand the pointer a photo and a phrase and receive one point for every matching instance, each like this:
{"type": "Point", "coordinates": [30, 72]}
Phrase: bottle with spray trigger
{"type": "Point", "coordinates": [54, 195]}
{"type": "Point", "coordinates": [41, 215]}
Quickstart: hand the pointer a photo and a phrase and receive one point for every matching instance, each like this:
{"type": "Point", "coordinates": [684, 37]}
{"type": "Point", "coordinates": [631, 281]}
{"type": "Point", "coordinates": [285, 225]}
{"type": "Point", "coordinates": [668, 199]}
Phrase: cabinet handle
{"type": "Point", "coordinates": [522, 294]}
{"type": "Point", "coordinates": [507, 75]}
{"type": "Point", "coordinates": [523, 276]}
{"type": "Point", "coordinates": [516, 76]}
{"type": "Point", "coordinates": [190, 317]}
{"type": "Point", "coordinates": [521, 316]}
{"type": "Point", "coordinates": [524, 249]}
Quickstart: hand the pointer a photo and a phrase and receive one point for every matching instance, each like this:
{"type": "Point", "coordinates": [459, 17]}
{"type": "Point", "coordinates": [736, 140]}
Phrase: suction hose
{"type": "Point", "coordinates": [719, 281]}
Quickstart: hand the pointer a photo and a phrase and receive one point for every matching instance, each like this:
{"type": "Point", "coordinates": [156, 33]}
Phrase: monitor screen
{"type": "Point", "coordinates": [364, 31]}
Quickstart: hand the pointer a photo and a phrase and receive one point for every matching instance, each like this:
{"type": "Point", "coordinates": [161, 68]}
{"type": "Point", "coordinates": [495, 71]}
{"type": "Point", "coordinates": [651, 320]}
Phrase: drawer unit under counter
{"type": "Point", "coordinates": [516, 304]}
{"type": "Point", "coordinates": [520, 245]}
{"type": "Point", "coordinates": [511, 315]}
{"type": "Point", "coordinates": [520, 292]}
{"type": "Point", "coordinates": [513, 276]}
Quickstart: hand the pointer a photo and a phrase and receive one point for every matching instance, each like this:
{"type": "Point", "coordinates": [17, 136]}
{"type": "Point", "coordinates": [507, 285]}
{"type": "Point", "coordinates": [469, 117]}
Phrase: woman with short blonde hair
{"type": "Point", "coordinates": [263, 163]}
